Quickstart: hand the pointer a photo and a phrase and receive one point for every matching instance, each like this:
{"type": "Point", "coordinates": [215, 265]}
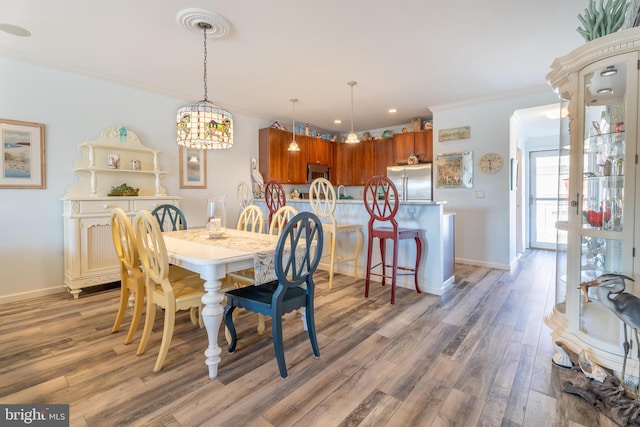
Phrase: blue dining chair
{"type": "Point", "coordinates": [297, 255]}
{"type": "Point", "coordinates": [169, 215]}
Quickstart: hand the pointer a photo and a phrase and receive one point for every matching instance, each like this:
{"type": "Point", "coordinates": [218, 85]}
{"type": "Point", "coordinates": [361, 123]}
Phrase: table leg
{"type": "Point", "coordinates": [212, 317]}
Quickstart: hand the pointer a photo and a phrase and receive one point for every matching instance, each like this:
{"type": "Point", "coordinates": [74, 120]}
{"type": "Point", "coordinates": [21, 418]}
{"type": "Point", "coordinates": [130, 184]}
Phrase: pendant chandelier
{"type": "Point", "coordinates": [203, 125]}
{"type": "Point", "coordinates": [352, 138]}
{"type": "Point", "coordinates": [293, 146]}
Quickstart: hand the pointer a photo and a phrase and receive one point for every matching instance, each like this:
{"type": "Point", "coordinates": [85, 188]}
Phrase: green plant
{"type": "Point", "coordinates": [601, 20]}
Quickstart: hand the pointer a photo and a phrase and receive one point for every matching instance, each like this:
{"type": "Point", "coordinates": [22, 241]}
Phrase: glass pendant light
{"type": "Point", "coordinates": [203, 125]}
{"type": "Point", "coordinates": [352, 138]}
{"type": "Point", "coordinates": [293, 146]}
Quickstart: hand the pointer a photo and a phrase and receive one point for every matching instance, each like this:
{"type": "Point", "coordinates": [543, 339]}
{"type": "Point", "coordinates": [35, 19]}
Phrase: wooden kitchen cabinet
{"type": "Point", "coordinates": [408, 143]}
{"type": "Point", "coordinates": [382, 155]}
{"type": "Point", "coordinates": [424, 145]}
{"type": "Point", "coordinates": [276, 162]}
{"type": "Point", "coordinates": [319, 151]}
{"type": "Point", "coordinates": [343, 164]}
{"type": "Point", "coordinates": [354, 163]}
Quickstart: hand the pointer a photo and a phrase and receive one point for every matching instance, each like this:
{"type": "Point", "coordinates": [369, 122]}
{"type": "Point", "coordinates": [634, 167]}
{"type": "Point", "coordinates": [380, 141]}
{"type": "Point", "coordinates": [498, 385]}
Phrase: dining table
{"type": "Point", "coordinates": [212, 259]}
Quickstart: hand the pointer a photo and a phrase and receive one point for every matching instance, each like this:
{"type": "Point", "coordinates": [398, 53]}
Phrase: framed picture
{"type": "Point", "coordinates": [193, 168]}
{"type": "Point", "coordinates": [23, 162]}
{"type": "Point", "coordinates": [454, 134]}
{"type": "Point", "coordinates": [454, 170]}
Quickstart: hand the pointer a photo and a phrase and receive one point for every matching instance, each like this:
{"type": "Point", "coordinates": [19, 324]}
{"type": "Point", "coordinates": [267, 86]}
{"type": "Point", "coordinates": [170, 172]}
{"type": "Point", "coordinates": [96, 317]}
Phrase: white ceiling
{"type": "Point", "coordinates": [404, 54]}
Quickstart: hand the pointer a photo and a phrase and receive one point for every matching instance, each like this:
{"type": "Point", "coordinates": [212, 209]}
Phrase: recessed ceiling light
{"type": "Point", "coordinates": [14, 30]}
{"type": "Point", "coordinates": [337, 121]}
{"type": "Point", "coordinates": [393, 110]}
{"type": "Point", "coordinates": [605, 90]}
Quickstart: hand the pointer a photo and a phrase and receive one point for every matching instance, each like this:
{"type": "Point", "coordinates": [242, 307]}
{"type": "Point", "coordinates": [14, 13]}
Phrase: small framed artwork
{"type": "Point", "coordinates": [193, 168]}
{"type": "Point", "coordinates": [23, 161]}
{"type": "Point", "coordinates": [454, 170]}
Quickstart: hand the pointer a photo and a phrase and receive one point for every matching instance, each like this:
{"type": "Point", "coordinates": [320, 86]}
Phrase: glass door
{"type": "Point", "coordinates": [562, 222]}
{"type": "Point", "coordinates": [543, 198]}
{"type": "Point", "coordinates": [601, 239]}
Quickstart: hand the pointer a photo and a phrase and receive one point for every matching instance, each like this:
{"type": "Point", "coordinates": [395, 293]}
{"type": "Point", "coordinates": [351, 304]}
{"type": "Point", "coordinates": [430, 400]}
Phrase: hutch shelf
{"type": "Point", "coordinates": [116, 157]}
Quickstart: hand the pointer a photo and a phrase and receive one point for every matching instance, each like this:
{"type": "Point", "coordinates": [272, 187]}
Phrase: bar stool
{"type": "Point", "coordinates": [322, 197]}
{"type": "Point", "coordinates": [274, 197]}
{"type": "Point", "coordinates": [381, 201]}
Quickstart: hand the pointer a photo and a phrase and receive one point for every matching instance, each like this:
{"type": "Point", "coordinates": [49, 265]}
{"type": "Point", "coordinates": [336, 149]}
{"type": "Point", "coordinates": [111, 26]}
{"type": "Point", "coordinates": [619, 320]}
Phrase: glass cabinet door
{"type": "Point", "coordinates": [562, 223]}
{"type": "Point", "coordinates": [603, 174]}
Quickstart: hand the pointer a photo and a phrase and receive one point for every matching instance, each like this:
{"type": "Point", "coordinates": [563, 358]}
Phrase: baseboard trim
{"type": "Point", "coordinates": [484, 264]}
{"type": "Point", "coordinates": [4, 299]}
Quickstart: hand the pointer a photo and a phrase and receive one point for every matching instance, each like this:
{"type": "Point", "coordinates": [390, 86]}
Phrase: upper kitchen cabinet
{"type": "Point", "coordinates": [382, 155]}
{"type": "Point", "coordinates": [319, 151]}
{"type": "Point", "coordinates": [276, 162]}
{"type": "Point", "coordinates": [420, 142]}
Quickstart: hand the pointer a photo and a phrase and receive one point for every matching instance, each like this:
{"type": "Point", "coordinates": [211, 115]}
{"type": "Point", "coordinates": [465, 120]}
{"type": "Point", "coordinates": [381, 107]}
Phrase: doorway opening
{"type": "Point", "coordinates": [544, 198]}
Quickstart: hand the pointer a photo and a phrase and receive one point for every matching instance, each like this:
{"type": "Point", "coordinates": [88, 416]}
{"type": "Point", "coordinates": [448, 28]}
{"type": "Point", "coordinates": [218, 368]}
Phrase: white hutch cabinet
{"type": "Point", "coordinates": [89, 255]}
{"type": "Point", "coordinates": [597, 231]}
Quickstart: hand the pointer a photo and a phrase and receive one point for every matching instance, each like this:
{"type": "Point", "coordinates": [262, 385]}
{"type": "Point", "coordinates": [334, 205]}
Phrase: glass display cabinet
{"type": "Point", "coordinates": [598, 83]}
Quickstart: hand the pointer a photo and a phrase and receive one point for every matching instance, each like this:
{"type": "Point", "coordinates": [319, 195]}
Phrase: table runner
{"type": "Point", "coordinates": [262, 247]}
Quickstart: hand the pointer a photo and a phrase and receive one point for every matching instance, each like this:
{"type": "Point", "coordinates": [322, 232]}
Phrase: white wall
{"type": "Point", "coordinates": [75, 109]}
{"type": "Point", "coordinates": [484, 227]}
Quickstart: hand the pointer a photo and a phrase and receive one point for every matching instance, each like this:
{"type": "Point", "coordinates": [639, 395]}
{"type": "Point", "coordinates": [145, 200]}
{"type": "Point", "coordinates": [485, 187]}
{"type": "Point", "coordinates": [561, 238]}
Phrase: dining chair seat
{"type": "Point", "coordinates": [322, 197]}
{"type": "Point", "coordinates": [382, 202]}
{"type": "Point", "coordinates": [171, 295]}
{"type": "Point", "coordinates": [297, 256]}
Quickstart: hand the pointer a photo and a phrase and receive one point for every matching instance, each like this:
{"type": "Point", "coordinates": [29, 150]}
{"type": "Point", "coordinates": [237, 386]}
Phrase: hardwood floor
{"type": "Point", "coordinates": [480, 355]}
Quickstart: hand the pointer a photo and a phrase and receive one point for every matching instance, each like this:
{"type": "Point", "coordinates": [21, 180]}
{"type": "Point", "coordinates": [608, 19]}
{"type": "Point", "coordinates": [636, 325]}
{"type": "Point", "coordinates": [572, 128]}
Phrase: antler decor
{"type": "Point", "coordinates": [601, 20]}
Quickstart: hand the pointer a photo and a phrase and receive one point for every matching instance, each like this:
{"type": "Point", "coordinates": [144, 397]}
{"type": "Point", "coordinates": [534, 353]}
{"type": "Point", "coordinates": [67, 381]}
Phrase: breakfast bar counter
{"type": "Point", "coordinates": [437, 263]}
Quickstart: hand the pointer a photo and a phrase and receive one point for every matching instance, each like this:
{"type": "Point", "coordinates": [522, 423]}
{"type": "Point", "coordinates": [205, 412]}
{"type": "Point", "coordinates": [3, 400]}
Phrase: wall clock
{"type": "Point", "coordinates": [491, 162]}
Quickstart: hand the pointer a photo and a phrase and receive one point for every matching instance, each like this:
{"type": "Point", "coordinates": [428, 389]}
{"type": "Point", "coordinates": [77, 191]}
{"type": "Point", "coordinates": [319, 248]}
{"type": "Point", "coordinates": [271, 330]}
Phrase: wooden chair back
{"type": "Point", "coordinates": [244, 194]}
{"type": "Point", "coordinates": [280, 218]}
{"type": "Point", "coordinates": [274, 197]}
{"type": "Point", "coordinates": [251, 219]}
{"type": "Point", "coordinates": [170, 217]}
{"type": "Point", "coordinates": [381, 201]}
{"type": "Point", "coordinates": [322, 197]}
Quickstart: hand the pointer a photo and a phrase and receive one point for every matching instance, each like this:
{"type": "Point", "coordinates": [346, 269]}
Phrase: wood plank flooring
{"type": "Point", "coordinates": [480, 355]}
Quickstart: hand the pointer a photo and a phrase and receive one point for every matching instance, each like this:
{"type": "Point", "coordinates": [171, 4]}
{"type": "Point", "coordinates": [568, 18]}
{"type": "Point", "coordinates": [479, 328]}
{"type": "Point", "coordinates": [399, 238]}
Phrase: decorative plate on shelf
{"type": "Point", "coordinates": [387, 134]}
{"type": "Point", "coordinates": [412, 160]}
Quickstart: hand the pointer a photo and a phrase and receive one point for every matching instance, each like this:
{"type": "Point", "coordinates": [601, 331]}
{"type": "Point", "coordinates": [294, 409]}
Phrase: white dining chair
{"type": "Point", "coordinates": [251, 219]}
{"type": "Point", "coordinates": [280, 219]}
{"type": "Point", "coordinates": [322, 197]}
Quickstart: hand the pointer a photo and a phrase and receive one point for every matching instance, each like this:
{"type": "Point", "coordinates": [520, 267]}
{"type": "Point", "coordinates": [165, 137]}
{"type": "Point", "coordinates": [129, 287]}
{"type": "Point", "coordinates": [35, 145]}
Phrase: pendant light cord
{"type": "Point", "coordinates": [351, 108]}
{"type": "Point", "coordinates": [205, 26]}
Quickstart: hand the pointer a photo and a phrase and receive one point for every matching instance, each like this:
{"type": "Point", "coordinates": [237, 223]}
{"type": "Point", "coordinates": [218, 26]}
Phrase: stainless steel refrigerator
{"type": "Point", "coordinates": [413, 181]}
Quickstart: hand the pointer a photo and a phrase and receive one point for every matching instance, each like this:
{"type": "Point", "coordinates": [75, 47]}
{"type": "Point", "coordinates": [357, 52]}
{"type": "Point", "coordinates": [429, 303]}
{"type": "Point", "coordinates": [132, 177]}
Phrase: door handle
{"type": "Point", "coordinates": [574, 203]}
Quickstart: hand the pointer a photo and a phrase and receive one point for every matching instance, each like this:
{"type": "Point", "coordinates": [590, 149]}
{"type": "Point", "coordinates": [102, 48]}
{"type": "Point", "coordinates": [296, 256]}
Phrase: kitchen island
{"type": "Point", "coordinates": [436, 271]}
